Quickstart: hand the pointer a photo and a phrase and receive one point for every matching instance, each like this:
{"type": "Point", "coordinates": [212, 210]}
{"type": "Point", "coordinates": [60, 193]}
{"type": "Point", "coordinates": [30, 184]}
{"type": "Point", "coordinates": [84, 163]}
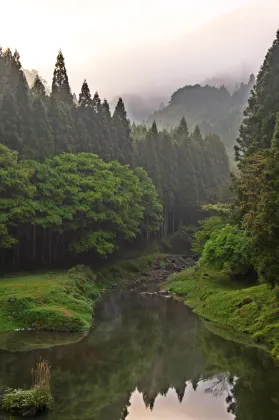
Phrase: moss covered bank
{"type": "Point", "coordinates": [252, 311]}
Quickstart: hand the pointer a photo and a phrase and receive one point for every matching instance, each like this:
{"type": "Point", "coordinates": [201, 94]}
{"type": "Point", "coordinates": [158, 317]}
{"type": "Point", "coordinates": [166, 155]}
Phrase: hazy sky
{"type": "Point", "coordinates": [96, 30]}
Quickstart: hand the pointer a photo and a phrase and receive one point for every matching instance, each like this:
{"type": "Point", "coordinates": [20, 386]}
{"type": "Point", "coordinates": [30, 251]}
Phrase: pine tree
{"type": "Point", "coordinates": [122, 132]}
{"type": "Point", "coordinates": [60, 83]}
{"type": "Point", "coordinates": [85, 99]}
{"type": "Point", "coordinates": [181, 133]}
{"type": "Point", "coordinates": [25, 127]}
{"type": "Point", "coordinates": [258, 125]}
{"type": "Point", "coordinates": [38, 88]}
{"type": "Point", "coordinates": [96, 103]}
{"type": "Point", "coordinates": [88, 122]}
{"type": "Point", "coordinates": [107, 151]}
{"type": "Point", "coordinates": [196, 136]}
{"type": "Point", "coordinates": [43, 140]}
{"type": "Point", "coordinates": [61, 123]}
{"type": "Point", "coordinates": [10, 123]}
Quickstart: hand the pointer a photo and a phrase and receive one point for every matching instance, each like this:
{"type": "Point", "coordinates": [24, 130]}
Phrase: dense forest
{"type": "Point", "coordinates": [243, 237]}
{"type": "Point", "coordinates": [213, 109]}
{"type": "Point", "coordinates": [77, 179]}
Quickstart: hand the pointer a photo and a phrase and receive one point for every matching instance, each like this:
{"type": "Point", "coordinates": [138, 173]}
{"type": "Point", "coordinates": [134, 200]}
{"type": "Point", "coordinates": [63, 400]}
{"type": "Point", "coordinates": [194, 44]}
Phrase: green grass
{"type": "Point", "coordinates": [48, 301]}
{"type": "Point", "coordinates": [216, 297]}
{"type": "Point", "coordinates": [57, 301]}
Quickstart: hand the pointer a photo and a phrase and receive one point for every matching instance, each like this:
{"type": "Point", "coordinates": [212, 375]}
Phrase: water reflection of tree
{"type": "Point", "coordinates": [151, 344]}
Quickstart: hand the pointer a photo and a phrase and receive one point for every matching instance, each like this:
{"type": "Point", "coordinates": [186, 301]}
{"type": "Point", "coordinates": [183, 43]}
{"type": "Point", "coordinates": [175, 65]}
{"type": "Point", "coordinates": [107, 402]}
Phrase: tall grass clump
{"type": "Point", "coordinates": [35, 400]}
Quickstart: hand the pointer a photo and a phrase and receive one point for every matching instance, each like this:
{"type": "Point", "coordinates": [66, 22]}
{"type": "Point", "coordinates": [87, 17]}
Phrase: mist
{"type": "Point", "coordinates": [232, 45]}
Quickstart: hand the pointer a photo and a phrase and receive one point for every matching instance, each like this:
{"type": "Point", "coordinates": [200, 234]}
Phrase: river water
{"type": "Point", "coordinates": [147, 358]}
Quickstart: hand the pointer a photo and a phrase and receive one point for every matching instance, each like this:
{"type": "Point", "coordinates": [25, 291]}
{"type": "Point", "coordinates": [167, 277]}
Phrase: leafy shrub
{"type": "Point", "coordinates": [21, 401]}
{"type": "Point", "coordinates": [228, 249]}
{"type": "Point", "coordinates": [207, 228]}
{"type": "Point", "coordinates": [34, 400]}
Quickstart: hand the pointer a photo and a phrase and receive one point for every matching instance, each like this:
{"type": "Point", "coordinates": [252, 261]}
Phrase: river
{"type": "Point", "coordinates": [147, 358]}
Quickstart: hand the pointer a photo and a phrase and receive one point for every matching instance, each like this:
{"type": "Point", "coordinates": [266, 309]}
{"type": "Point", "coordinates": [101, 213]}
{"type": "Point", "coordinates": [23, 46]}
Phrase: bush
{"type": "Point", "coordinates": [228, 249]}
{"type": "Point", "coordinates": [207, 228]}
{"type": "Point", "coordinates": [35, 400]}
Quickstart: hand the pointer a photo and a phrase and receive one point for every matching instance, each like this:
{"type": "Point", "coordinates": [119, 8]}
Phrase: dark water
{"type": "Point", "coordinates": [148, 358]}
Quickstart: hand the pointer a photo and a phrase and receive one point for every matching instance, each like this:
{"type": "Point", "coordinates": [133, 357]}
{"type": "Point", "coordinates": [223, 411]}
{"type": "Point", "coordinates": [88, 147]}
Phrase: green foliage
{"type": "Point", "coordinates": [22, 401]}
{"type": "Point", "coordinates": [16, 195]}
{"type": "Point", "coordinates": [228, 249]}
{"type": "Point", "coordinates": [258, 125]}
{"type": "Point", "coordinates": [207, 227]}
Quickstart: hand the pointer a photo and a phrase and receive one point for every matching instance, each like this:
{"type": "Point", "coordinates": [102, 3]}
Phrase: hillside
{"type": "Point", "coordinates": [215, 110]}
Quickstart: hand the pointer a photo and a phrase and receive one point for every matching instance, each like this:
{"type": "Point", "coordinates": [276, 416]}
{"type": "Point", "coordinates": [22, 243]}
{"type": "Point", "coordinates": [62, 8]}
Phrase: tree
{"type": "Point", "coordinates": [16, 204]}
{"type": "Point", "coordinates": [60, 118]}
{"type": "Point", "coordinates": [85, 99]}
{"type": "Point", "coordinates": [122, 134]}
{"type": "Point", "coordinates": [228, 249]}
{"type": "Point", "coordinates": [60, 83]}
{"type": "Point", "coordinates": [10, 123]}
{"type": "Point", "coordinates": [258, 125]}
{"type": "Point", "coordinates": [38, 88]}
{"type": "Point", "coordinates": [43, 146]}
{"type": "Point", "coordinates": [25, 127]}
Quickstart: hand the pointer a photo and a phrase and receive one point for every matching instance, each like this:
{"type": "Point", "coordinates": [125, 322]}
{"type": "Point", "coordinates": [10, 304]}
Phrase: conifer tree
{"type": "Point", "coordinates": [60, 83]}
{"type": "Point", "coordinates": [181, 132]}
{"type": "Point", "coordinates": [43, 139]}
{"type": "Point", "coordinates": [96, 103]}
{"type": "Point", "coordinates": [123, 138]}
{"type": "Point", "coordinates": [85, 99]}
{"type": "Point", "coordinates": [38, 87]}
{"type": "Point", "coordinates": [10, 123]}
{"type": "Point", "coordinates": [107, 151]}
{"type": "Point", "coordinates": [25, 128]}
{"type": "Point", "coordinates": [61, 126]}
{"type": "Point", "coordinates": [257, 127]}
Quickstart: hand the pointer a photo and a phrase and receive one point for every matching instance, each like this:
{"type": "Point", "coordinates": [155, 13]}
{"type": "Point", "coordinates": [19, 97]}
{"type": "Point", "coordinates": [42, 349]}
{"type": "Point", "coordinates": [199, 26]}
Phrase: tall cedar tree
{"type": "Point", "coordinates": [60, 83]}
{"type": "Point", "coordinates": [122, 134]}
{"type": "Point", "coordinates": [38, 87]}
{"type": "Point", "coordinates": [259, 117]}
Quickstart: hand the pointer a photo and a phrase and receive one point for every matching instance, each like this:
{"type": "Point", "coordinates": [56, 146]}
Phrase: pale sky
{"type": "Point", "coordinates": [99, 31]}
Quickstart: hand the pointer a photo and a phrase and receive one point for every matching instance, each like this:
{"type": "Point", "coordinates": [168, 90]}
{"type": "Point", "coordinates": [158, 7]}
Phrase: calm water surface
{"type": "Point", "coordinates": [148, 358]}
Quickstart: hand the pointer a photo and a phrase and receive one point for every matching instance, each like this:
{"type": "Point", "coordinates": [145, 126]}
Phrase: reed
{"type": "Point", "coordinates": [41, 375]}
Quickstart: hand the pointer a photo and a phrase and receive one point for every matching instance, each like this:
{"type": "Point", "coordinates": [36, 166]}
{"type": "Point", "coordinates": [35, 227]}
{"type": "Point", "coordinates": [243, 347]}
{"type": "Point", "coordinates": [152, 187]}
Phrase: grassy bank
{"type": "Point", "coordinates": [43, 301]}
{"type": "Point", "coordinates": [61, 301]}
{"type": "Point", "coordinates": [252, 311]}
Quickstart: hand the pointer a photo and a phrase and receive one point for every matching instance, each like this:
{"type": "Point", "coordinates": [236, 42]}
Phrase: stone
{"type": "Point", "coordinates": [32, 412]}
{"type": "Point", "coordinates": [246, 301]}
{"type": "Point", "coordinates": [163, 292]}
{"type": "Point", "coordinates": [12, 300]}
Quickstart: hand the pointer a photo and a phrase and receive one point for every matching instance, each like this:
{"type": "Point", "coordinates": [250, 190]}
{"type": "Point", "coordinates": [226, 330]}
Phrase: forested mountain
{"type": "Point", "coordinates": [72, 177]}
{"type": "Point", "coordinates": [214, 109]}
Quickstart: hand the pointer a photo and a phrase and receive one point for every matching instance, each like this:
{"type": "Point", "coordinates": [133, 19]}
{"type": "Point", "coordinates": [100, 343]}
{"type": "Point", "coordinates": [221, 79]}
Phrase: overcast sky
{"type": "Point", "coordinates": [100, 32]}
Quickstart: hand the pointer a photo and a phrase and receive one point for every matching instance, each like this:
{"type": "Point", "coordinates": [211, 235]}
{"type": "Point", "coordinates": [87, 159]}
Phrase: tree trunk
{"type": "Point", "coordinates": [43, 248]}
{"type": "Point", "coordinates": [34, 243]}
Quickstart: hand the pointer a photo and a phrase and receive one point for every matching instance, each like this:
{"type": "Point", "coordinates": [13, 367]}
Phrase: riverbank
{"type": "Point", "coordinates": [64, 301]}
{"type": "Point", "coordinates": [251, 311]}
